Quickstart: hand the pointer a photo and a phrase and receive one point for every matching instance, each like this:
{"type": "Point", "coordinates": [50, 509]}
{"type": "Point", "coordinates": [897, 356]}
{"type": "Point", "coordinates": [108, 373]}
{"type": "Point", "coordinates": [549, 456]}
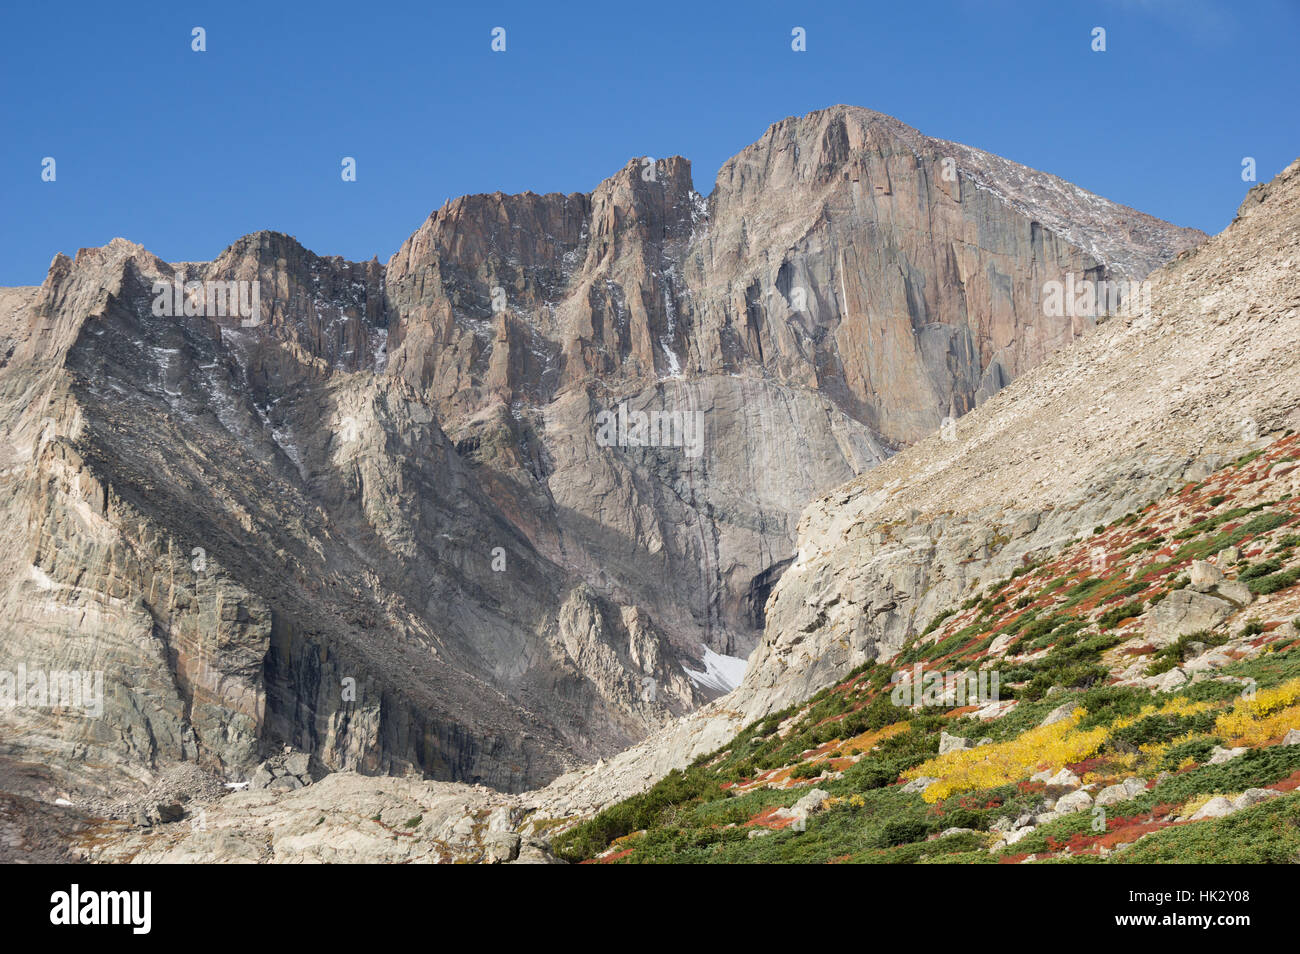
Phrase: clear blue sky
{"type": "Point", "coordinates": [184, 152]}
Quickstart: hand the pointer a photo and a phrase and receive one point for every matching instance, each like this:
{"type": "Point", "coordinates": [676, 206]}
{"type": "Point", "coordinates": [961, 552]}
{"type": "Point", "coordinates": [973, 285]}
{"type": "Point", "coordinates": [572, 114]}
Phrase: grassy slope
{"type": "Point", "coordinates": [1071, 630]}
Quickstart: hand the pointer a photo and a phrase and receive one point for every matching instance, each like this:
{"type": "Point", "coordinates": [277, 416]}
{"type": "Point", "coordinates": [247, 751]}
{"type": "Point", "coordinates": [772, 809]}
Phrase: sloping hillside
{"type": "Point", "coordinates": [1136, 698]}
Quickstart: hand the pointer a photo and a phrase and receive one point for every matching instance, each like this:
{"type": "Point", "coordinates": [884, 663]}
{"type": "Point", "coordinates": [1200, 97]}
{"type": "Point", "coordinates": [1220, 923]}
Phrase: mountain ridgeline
{"type": "Point", "coordinates": [384, 521]}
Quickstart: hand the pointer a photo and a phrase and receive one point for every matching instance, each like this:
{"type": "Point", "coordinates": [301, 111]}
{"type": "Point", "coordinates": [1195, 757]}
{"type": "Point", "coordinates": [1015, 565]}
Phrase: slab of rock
{"type": "Point", "coordinates": [1219, 754]}
{"type": "Point", "coordinates": [1061, 712]}
{"type": "Point", "coordinates": [1238, 594]}
{"type": "Point", "coordinates": [812, 802]}
{"type": "Point", "coordinates": [919, 784]}
{"type": "Point", "coordinates": [953, 743]}
{"type": "Point", "coordinates": [1078, 801]}
{"type": "Point", "coordinates": [1183, 612]}
{"type": "Point", "coordinates": [1216, 807]}
{"type": "Point", "coordinates": [1204, 576]}
{"type": "Point", "coordinates": [1253, 796]}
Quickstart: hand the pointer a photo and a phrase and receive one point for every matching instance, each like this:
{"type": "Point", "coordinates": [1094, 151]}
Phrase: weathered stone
{"type": "Point", "coordinates": [953, 743]}
{"type": "Point", "coordinates": [1183, 612]}
{"type": "Point", "coordinates": [812, 802]}
{"type": "Point", "coordinates": [1216, 807]}
{"type": "Point", "coordinates": [1204, 576]}
{"type": "Point", "coordinates": [1253, 796]}
{"type": "Point", "coordinates": [1077, 801]}
{"type": "Point", "coordinates": [1219, 755]}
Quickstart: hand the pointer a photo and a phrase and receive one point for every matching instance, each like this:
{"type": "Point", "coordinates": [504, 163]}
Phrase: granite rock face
{"type": "Point", "coordinates": [1134, 410]}
{"type": "Point", "coordinates": [474, 514]}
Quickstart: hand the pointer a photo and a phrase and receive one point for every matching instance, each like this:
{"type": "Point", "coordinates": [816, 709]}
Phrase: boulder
{"type": "Point", "coordinates": [262, 777]}
{"type": "Point", "coordinates": [534, 851]}
{"type": "Point", "coordinates": [1219, 755]}
{"type": "Point", "coordinates": [1216, 807]}
{"type": "Point", "coordinates": [1183, 612]}
{"type": "Point", "coordinates": [956, 831]}
{"type": "Point", "coordinates": [501, 846]}
{"type": "Point", "coordinates": [1062, 711]}
{"type": "Point", "coordinates": [953, 743]}
{"type": "Point", "coordinates": [1113, 795]}
{"type": "Point", "coordinates": [1062, 782]}
{"type": "Point", "coordinates": [1292, 737]}
{"type": "Point", "coordinates": [812, 802]}
{"type": "Point", "coordinates": [1253, 796]}
{"type": "Point", "coordinates": [1204, 576]}
{"type": "Point", "coordinates": [1173, 679]}
{"type": "Point", "coordinates": [1015, 836]}
{"type": "Point", "coordinates": [1079, 801]}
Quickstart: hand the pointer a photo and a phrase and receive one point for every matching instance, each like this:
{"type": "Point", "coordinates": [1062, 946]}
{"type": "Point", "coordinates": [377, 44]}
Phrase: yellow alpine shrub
{"type": "Point", "coordinates": [1269, 714]}
{"type": "Point", "coordinates": [987, 766]}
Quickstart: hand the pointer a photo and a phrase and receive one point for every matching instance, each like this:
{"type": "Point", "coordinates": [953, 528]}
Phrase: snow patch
{"type": "Point", "coordinates": [722, 673]}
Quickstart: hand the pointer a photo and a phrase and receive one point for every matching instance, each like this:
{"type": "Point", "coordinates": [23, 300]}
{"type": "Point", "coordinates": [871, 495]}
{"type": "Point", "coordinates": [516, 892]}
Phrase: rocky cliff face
{"type": "Point", "coordinates": [1138, 408]}
{"type": "Point", "coordinates": [479, 513]}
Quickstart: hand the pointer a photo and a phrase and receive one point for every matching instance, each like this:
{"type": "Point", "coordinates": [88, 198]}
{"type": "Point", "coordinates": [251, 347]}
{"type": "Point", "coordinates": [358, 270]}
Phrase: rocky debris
{"type": "Point", "coordinates": [36, 832]}
{"type": "Point", "coordinates": [286, 772]}
{"type": "Point", "coordinates": [1076, 801]}
{"type": "Point", "coordinates": [1114, 794]}
{"type": "Point", "coordinates": [343, 817]}
{"type": "Point", "coordinates": [174, 792]}
{"type": "Point", "coordinates": [1219, 754]}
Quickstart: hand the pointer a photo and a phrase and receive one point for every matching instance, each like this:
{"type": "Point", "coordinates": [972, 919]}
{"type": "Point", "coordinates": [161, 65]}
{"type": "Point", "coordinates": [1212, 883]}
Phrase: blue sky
{"type": "Point", "coordinates": [184, 151]}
